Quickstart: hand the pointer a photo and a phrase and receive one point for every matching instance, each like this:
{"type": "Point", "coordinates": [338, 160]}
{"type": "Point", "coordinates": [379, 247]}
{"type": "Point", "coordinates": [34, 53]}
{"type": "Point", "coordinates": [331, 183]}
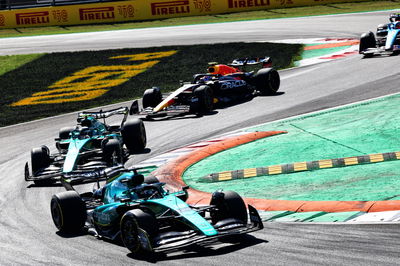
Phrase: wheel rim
{"type": "Point", "coordinates": [129, 235]}
{"type": "Point", "coordinates": [56, 214]}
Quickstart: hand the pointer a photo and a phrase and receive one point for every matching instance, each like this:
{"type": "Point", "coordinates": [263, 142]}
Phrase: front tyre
{"type": "Point", "coordinates": [151, 97]}
{"type": "Point", "coordinates": [138, 228]}
{"type": "Point", "coordinates": [134, 135]}
{"type": "Point", "coordinates": [205, 100]}
{"type": "Point", "coordinates": [112, 152]}
{"type": "Point", "coordinates": [68, 211]}
{"type": "Point", "coordinates": [367, 41]}
{"type": "Point", "coordinates": [267, 81]}
{"type": "Point", "coordinates": [40, 158]}
{"type": "Point", "coordinates": [229, 205]}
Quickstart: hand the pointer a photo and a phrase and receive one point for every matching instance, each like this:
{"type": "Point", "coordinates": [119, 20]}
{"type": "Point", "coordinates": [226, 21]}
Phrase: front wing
{"type": "Point", "coordinates": [173, 110]}
{"type": "Point", "coordinates": [381, 50]}
{"type": "Point", "coordinates": [77, 176]}
{"type": "Point", "coordinates": [193, 238]}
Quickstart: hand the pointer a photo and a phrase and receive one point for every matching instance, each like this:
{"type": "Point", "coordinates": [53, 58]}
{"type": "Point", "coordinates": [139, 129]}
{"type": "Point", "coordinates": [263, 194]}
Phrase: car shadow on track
{"type": "Point", "coordinates": [205, 250]}
{"type": "Point", "coordinates": [145, 151]}
{"type": "Point", "coordinates": [33, 185]}
{"type": "Point", "coordinates": [179, 117]}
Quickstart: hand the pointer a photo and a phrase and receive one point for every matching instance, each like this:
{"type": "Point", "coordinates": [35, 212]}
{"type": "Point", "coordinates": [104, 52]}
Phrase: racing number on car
{"type": "Point", "coordinates": [94, 81]}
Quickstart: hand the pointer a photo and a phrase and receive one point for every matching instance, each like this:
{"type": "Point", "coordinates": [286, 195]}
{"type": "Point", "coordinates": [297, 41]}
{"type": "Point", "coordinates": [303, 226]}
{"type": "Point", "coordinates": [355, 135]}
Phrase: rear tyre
{"type": "Point", "coordinates": [367, 41]}
{"type": "Point", "coordinates": [205, 103]}
{"type": "Point", "coordinates": [151, 97]}
{"type": "Point", "coordinates": [150, 179]}
{"type": "Point", "coordinates": [68, 212]}
{"type": "Point", "coordinates": [229, 205]}
{"type": "Point", "coordinates": [64, 132]}
{"type": "Point", "coordinates": [132, 237]}
{"type": "Point", "coordinates": [112, 152]}
{"type": "Point", "coordinates": [267, 81]}
{"type": "Point", "coordinates": [134, 135]}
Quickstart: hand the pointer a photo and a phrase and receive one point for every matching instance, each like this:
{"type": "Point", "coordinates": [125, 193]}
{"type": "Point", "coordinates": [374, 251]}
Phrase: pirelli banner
{"type": "Point", "coordinates": [137, 10]}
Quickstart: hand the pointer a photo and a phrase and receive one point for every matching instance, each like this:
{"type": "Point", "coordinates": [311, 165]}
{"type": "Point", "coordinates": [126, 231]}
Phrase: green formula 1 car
{"type": "Point", "coordinates": [148, 218]}
{"type": "Point", "coordinates": [88, 147]}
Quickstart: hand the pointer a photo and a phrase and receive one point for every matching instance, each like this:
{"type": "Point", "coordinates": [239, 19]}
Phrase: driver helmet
{"type": "Point", "coordinates": [135, 180]}
{"type": "Point", "coordinates": [86, 122]}
{"type": "Point", "coordinates": [394, 17]}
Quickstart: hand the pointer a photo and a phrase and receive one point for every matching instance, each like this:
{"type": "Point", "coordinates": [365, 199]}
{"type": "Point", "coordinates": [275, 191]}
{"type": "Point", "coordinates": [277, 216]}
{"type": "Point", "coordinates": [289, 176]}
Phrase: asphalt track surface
{"type": "Point", "coordinates": [28, 236]}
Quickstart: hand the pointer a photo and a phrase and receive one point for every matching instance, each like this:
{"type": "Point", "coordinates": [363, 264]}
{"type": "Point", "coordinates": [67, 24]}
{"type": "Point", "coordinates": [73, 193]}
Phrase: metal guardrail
{"type": "Point", "coordinates": [18, 4]}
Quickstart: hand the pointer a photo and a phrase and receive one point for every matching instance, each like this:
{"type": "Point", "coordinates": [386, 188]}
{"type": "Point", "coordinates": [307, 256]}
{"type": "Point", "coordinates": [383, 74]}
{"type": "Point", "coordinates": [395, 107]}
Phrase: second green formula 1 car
{"type": "Point", "coordinates": [85, 149]}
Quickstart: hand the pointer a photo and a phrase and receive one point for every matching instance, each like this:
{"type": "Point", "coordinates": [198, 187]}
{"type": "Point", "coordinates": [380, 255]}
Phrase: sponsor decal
{"type": "Point", "coordinates": [127, 11]}
{"type": "Point", "coordinates": [170, 8]}
{"type": "Point", "coordinates": [96, 13]}
{"type": "Point", "coordinates": [94, 81]}
{"type": "Point", "coordinates": [60, 15]}
{"type": "Point", "coordinates": [2, 20]}
{"type": "Point", "coordinates": [32, 18]}
{"type": "Point", "coordinates": [247, 3]}
{"type": "Point", "coordinates": [202, 5]}
{"type": "Point", "coordinates": [233, 84]}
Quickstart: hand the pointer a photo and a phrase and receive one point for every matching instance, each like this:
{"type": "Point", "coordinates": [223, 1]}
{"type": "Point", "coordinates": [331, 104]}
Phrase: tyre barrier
{"type": "Point", "coordinates": [300, 167]}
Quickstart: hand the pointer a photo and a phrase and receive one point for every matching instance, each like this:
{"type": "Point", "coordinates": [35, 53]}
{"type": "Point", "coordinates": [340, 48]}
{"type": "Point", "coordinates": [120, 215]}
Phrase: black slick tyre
{"type": "Point", "coordinates": [131, 223]}
{"type": "Point", "coordinates": [150, 179]}
{"type": "Point", "coordinates": [229, 205]}
{"type": "Point", "coordinates": [267, 81]}
{"type": "Point", "coordinates": [112, 151]}
{"type": "Point", "coordinates": [68, 212]}
{"type": "Point", "coordinates": [40, 159]}
{"type": "Point", "coordinates": [367, 41]}
{"type": "Point", "coordinates": [151, 97]}
{"type": "Point", "coordinates": [64, 132]}
{"type": "Point", "coordinates": [205, 100]}
{"type": "Point", "coordinates": [134, 135]}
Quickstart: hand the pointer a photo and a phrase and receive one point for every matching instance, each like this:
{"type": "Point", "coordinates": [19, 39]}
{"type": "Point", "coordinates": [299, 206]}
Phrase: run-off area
{"type": "Point", "coordinates": [359, 129]}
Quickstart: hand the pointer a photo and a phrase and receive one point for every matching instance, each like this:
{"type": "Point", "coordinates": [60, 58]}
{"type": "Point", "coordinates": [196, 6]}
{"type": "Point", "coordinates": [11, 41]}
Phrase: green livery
{"type": "Point", "coordinates": [87, 148]}
{"type": "Point", "coordinates": [149, 218]}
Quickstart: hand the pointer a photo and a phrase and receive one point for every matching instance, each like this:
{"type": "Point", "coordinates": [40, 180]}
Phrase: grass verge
{"type": "Point", "coordinates": [91, 71]}
{"type": "Point", "coordinates": [326, 9]}
{"type": "Point", "coordinates": [11, 62]}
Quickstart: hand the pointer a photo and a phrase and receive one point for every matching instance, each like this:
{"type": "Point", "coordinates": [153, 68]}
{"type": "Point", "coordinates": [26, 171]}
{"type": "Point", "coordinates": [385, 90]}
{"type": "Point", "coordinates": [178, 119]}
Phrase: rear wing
{"type": "Point", "coordinates": [104, 114]}
{"type": "Point", "coordinates": [105, 174]}
{"type": "Point", "coordinates": [242, 62]}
